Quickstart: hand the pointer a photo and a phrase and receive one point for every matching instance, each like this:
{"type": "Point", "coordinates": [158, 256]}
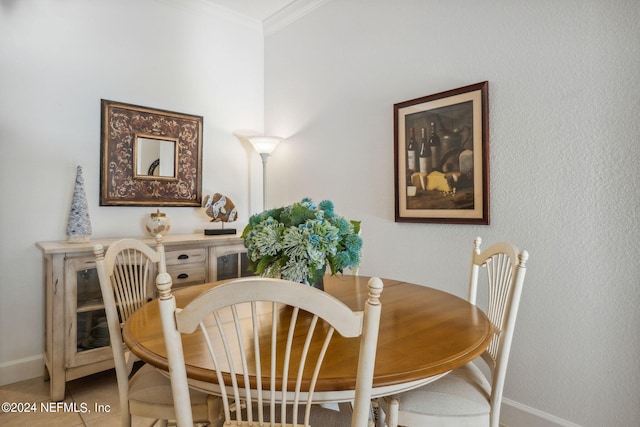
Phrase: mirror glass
{"type": "Point", "coordinates": [155, 157]}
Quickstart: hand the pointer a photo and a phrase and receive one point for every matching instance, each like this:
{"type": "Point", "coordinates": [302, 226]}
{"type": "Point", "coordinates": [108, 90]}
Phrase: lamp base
{"type": "Point", "coordinates": [220, 231]}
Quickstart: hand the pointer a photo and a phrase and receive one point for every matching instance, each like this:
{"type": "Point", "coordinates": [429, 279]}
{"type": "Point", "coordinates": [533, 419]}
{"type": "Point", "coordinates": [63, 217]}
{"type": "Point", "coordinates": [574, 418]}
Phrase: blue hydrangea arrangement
{"type": "Point", "coordinates": [299, 241]}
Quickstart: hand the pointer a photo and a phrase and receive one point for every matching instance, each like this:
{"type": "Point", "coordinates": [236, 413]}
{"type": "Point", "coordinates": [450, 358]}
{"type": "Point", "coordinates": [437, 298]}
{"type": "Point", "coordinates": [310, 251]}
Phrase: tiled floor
{"type": "Point", "coordinates": [99, 389]}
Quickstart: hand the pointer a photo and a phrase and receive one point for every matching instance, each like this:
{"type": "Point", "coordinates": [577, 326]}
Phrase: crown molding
{"type": "Point", "coordinates": [212, 9]}
{"type": "Point", "coordinates": [289, 14]}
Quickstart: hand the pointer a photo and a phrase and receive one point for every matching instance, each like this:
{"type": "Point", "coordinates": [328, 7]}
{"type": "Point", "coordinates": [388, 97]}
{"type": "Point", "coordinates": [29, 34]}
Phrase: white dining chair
{"type": "Point", "coordinates": [126, 274]}
{"type": "Point", "coordinates": [465, 397]}
{"type": "Point", "coordinates": [283, 362]}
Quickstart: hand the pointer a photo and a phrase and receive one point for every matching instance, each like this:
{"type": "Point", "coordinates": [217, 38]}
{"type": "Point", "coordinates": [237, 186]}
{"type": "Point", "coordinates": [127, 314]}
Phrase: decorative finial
{"type": "Point", "coordinates": [375, 286]}
{"type": "Point", "coordinates": [164, 283]}
{"type": "Point", "coordinates": [476, 244]}
{"type": "Point", "coordinates": [98, 251]}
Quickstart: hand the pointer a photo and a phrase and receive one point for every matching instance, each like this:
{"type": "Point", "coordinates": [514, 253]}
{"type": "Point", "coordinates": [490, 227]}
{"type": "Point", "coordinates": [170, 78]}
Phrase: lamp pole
{"type": "Point", "coordinates": [264, 145]}
{"type": "Point", "coordinates": [264, 156]}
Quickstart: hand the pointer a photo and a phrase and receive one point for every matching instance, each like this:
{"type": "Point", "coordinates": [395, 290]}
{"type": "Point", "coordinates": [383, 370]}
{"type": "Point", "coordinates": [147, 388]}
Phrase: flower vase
{"type": "Point", "coordinates": [318, 284]}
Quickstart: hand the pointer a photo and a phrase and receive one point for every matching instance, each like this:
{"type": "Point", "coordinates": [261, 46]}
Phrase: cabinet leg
{"type": "Point", "coordinates": [57, 388]}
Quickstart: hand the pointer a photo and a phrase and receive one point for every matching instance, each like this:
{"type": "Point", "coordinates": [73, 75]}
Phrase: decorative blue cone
{"type": "Point", "coordinates": [79, 224]}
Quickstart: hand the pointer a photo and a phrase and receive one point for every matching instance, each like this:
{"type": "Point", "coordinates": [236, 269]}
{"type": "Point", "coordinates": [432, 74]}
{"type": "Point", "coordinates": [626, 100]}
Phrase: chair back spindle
{"type": "Point", "coordinates": [267, 340]}
{"type": "Point", "coordinates": [465, 396]}
{"type": "Point", "coordinates": [125, 272]}
{"type": "Point", "coordinates": [505, 268]}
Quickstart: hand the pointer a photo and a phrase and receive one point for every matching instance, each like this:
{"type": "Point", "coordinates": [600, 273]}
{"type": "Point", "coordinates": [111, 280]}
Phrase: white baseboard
{"type": "Point", "coordinates": [514, 414]}
{"type": "Point", "coordinates": [17, 370]}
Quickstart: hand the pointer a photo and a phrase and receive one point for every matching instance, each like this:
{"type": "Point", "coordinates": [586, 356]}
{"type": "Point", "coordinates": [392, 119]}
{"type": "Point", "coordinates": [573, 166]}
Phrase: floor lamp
{"type": "Point", "coordinates": [264, 145]}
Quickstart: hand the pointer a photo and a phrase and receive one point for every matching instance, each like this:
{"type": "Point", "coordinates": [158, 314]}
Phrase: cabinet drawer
{"type": "Point", "coordinates": [187, 275]}
{"type": "Point", "coordinates": [186, 256]}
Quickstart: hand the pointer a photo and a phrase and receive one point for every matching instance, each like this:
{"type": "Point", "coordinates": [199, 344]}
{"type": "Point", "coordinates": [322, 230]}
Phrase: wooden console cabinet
{"type": "Point", "coordinates": [76, 338]}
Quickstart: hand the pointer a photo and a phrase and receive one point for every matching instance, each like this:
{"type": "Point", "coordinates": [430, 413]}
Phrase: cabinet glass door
{"type": "Point", "coordinates": [87, 337]}
{"type": "Point", "coordinates": [244, 266]}
{"type": "Point", "coordinates": [233, 265]}
{"type": "Point", "coordinates": [92, 330]}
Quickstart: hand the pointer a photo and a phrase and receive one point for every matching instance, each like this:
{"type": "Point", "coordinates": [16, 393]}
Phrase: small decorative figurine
{"type": "Point", "coordinates": [158, 223]}
{"type": "Point", "coordinates": [221, 209]}
{"type": "Point", "coordinates": [79, 223]}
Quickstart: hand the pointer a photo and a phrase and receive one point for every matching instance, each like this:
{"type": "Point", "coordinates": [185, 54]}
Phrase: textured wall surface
{"type": "Point", "coordinates": [57, 60]}
{"type": "Point", "coordinates": [564, 101]}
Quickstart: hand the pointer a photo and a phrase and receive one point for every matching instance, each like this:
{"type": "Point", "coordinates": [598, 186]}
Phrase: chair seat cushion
{"type": "Point", "coordinates": [148, 385]}
{"type": "Point", "coordinates": [462, 392]}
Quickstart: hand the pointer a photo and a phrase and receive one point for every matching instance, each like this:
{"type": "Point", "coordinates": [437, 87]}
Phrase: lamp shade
{"type": "Point", "coordinates": [264, 144]}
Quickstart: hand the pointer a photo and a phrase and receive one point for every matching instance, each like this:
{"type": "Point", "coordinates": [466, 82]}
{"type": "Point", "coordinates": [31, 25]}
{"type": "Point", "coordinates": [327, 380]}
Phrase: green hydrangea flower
{"type": "Point", "coordinates": [298, 242]}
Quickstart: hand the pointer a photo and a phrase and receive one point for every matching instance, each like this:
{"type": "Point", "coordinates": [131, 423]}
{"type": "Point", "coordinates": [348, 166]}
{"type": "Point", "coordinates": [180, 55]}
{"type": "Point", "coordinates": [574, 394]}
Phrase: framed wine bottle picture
{"type": "Point", "coordinates": [441, 154]}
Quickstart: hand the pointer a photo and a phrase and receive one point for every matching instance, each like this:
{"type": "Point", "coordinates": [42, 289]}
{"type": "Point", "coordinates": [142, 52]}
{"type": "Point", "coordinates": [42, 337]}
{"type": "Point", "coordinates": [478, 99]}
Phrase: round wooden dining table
{"type": "Point", "coordinates": [424, 333]}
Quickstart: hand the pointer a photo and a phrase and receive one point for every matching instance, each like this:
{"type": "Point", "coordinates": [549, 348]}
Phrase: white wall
{"type": "Point", "coordinates": [564, 100]}
{"type": "Point", "coordinates": [564, 132]}
{"type": "Point", "coordinates": [57, 60]}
